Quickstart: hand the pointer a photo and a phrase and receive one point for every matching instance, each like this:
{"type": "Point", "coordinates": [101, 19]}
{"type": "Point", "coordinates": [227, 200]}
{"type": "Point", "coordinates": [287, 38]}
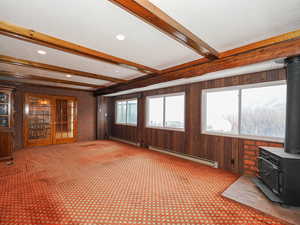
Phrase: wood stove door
{"type": "Point", "coordinates": [269, 173]}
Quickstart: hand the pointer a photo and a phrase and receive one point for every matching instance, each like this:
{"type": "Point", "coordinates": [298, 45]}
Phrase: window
{"type": "Point", "coordinates": [131, 112]}
{"type": "Point", "coordinates": [263, 111]}
{"type": "Point", "coordinates": [222, 111]}
{"type": "Point", "coordinates": [121, 112]}
{"type": "Point", "coordinates": [126, 112]}
{"type": "Point", "coordinates": [250, 111]}
{"type": "Point", "coordinates": [174, 112]}
{"type": "Point", "coordinates": [166, 111]}
{"type": "Point", "coordinates": [156, 112]}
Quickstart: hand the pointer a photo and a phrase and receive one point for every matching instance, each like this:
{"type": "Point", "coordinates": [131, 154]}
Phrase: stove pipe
{"type": "Point", "coordinates": [292, 133]}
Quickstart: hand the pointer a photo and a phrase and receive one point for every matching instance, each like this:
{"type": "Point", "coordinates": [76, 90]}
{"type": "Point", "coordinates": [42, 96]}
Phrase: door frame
{"type": "Point", "coordinates": [65, 140]}
{"type": "Point", "coordinates": [27, 141]}
{"type": "Point", "coordinates": [52, 140]}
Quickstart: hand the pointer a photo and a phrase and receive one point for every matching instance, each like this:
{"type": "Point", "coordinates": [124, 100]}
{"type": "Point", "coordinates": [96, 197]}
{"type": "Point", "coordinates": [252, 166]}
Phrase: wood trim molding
{"type": "Point", "coordinates": [263, 43]}
{"type": "Point", "coordinates": [29, 35]}
{"type": "Point", "coordinates": [27, 63]}
{"type": "Point", "coordinates": [20, 81]}
{"type": "Point", "coordinates": [154, 16]}
{"type": "Point", "coordinates": [41, 78]}
{"type": "Point", "coordinates": [275, 51]}
{"type": "Point", "coordinates": [52, 138]}
{"type": "Point", "coordinates": [185, 65]}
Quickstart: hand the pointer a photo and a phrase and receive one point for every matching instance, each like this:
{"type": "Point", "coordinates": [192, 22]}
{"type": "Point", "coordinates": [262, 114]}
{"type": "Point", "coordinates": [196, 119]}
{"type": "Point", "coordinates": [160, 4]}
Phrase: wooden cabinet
{"type": "Point", "coordinates": [38, 120]}
{"type": "Point", "coordinates": [6, 123]}
{"type": "Point", "coordinates": [49, 119]}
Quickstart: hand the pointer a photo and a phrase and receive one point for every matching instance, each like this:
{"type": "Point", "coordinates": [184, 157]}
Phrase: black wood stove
{"type": "Point", "coordinates": [279, 169]}
{"type": "Point", "coordinates": [279, 175]}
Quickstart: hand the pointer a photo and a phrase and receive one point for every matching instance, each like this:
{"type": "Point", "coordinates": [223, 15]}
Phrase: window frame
{"type": "Point", "coordinates": [164, 111]}
{"type": "Point", "coordinates": [116, 112]}
{"type": "Point", "coordinates": [239, 88]}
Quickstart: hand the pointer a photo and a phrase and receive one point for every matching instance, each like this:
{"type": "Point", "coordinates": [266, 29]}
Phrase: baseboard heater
{"type": "Point", "coordinates": [124, 141]}
{"type": "Point", "coordinates": [207, 162]}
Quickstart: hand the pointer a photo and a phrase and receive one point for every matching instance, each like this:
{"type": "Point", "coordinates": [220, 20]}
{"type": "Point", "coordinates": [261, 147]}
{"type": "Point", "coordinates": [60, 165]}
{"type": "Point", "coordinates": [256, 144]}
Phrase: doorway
{"type": "Point", "coordinates": [49, 120]}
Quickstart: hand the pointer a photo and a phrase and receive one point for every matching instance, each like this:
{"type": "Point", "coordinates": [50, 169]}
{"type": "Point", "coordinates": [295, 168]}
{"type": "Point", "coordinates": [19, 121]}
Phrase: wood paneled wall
{"type": "Point", "coordinates": [86, 110]}
{"type": "Point", "coordinates": [227, 151]}
{"type": "Point", "coordinates": [103, 118]}
{"type": "Point", "coordinates": [6, 144]}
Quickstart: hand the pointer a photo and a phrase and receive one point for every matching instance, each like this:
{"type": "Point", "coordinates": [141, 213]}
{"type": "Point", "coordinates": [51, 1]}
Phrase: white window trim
{"type": "Point", "coordinates": [164, 105]}
{"type": "Point", "coordinates": [238, 88]}
{"type": "Point", "coordinates": [116, 112]}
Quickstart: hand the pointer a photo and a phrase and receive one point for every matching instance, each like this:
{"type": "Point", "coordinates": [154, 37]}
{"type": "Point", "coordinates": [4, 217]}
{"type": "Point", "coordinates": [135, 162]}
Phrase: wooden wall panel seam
{"type": "Point", "coordinates": [228, 151]}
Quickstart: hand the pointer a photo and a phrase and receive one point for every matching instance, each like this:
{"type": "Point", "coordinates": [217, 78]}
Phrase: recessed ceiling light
{"type": "Point", "coordinates": [68, 75]}
{"type": "Point", "coordinates": [42, 52]}
{"type": "Point", "coordinates": [120, 37]}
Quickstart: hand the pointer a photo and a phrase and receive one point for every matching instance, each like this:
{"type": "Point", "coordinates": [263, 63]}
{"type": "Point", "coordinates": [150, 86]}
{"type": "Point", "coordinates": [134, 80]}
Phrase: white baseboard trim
{"type": "Point", "coordinates": [207, 162]}
{"type": "Point", "coordinates": [124, 141]}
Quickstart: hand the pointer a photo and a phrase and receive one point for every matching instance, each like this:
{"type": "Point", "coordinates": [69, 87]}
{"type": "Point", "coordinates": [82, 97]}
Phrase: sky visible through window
{"type": "Point", "coordinates": [166, 111]}
{"type": "Point", "coordinates": [156, 112]}
{"type": "Point", "coordinates": [175, 111]}
{"type": "Point", "coordinates": [262, 111]}
{"type": "Point", "coordinates": [222, 111]}
{"type": "Point", "coordinates": [126, 112]}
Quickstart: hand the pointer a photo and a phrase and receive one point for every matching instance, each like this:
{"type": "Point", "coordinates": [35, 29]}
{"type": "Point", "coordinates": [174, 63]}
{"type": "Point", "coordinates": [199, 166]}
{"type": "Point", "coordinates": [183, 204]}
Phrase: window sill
{"type": "Point", "coordinates": [166, 128]}
{"type": "Point", "coordinates": [248, 137]}
{"type": "Point", "coordinates": [124, 124]}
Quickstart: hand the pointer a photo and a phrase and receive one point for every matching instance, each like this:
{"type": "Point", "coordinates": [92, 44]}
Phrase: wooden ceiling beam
{"type": "Point", "coordinates": [32, 36]}
{"type": "Point", "coordinates": [14, 83]}
{"type": "Point", "coordinates": [154, 16]}
{"type": "Point", "coordinates": [270, 52]}
{"type": "Point", "coordinates": [47, 79]}
{"type": "Point", "coordinates": [37, 65]}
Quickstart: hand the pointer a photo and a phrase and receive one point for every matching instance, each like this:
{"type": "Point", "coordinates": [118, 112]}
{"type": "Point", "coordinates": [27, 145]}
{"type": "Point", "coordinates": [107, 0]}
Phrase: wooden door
{"type": "Point", "coordinates": [38, 120]}
{"type": "Point", "coordinates": [49, 120]}
{"type": "Point", "coordinates": [65, 129]}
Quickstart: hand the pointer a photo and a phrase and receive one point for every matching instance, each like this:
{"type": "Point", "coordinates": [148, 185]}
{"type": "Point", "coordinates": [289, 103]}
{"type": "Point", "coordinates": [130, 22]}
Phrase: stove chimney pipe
{"type": "Point", "coordinates": [292, 134]}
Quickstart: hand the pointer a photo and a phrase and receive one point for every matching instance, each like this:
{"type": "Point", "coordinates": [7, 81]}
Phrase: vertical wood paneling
{"type": "Point", "coordinates": [6, 144]}
{"type": "Point", "coordinates": [102, 117]}
{"type": "Point", "coordinates": [227, 151]}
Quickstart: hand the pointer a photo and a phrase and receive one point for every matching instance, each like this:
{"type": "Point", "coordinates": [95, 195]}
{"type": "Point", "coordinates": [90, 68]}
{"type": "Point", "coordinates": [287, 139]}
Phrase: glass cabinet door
{"type": "Point", "coordinates": [65, 120]}
{"type": "Point", "coordinates": [50, 120]}
{"type": "Point", "coordinates": [38, 120]}
{"type": "Point", "coordinates": [4, 109]}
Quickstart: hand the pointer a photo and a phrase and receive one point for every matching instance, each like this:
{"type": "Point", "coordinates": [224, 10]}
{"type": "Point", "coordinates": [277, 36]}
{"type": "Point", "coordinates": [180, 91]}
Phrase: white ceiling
{"type": "Point", "coordinates": [25, 50]}
{"type": "Point", "coordinates": [95, 23]}
{"type": "Point", "coordinates": [232, 23]}
{"type": "Point", "coordinates": [21, 70]}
